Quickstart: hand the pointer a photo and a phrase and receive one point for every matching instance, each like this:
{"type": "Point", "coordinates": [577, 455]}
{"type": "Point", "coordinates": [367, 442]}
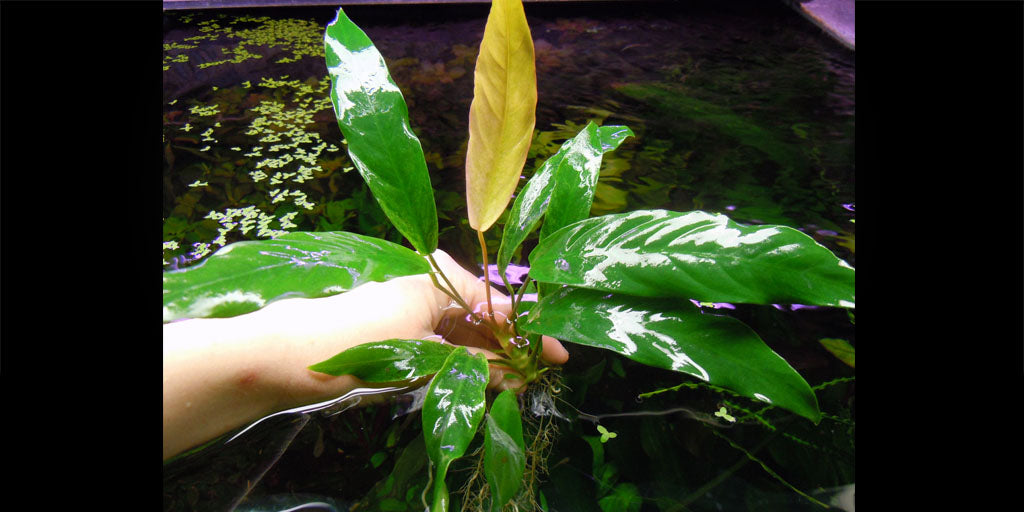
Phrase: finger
{"type": "Point", "coordinates": [474, 292]}
{"type": "Point", "coordinates": [475, 329]}
{"type": "Point", "coordinates": [471, 288]}
{"type": "Point", "coordinates": [462, 330]}
{"type": "Point", "coordinates": [552, 351]}
{"type": "Point", "coordinates": [501, 306]}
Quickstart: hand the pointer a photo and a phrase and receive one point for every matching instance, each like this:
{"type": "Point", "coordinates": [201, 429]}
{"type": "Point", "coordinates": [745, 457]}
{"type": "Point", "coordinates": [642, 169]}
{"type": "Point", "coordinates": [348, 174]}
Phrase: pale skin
{"type": "Point", "coordinates": [223, 373]}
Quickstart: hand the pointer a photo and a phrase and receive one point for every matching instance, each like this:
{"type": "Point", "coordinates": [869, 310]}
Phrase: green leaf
{"type": "Point", "coordinates": [388, 361]}
{"type": "Point", "coordinates": [625, 497]}
{"type": "Point", "coordinates": [245, 276]}
{"type": "Point", "coordinates": [573, 194]}
{"type": "Point", "coordinates": [723, 413]}
{"type": "Point", "coordinates": [841, 349]}
{"type": "Point", "coordinates": [675, 335]}
{"type": "Point", "coordinates": [392, 505]}
{"type": "Point", "coordinates": [575, 169]}
{"type": "Point", "coordinates": [502, 114]}
{"type": "Point", "coordinates": [597, 458]}
{"type": "Point", "coordinates": [374, 118]}
{"type": "Point", "coordinates": [401, 490]}
{"type": "Point", "coordinates": [694, 255]}
{"type": "Point", "coordinates": [378, 458]}
{"type": "Point", "coordinates": [604, 475]}
{"type": "Point", "coordinates": [504, 449]}
{"type": "Point", "coordinates": [452, 411]}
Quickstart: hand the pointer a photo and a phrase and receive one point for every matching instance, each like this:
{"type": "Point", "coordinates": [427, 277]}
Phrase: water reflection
{"type": "Point", "coordinates": [327, 407]}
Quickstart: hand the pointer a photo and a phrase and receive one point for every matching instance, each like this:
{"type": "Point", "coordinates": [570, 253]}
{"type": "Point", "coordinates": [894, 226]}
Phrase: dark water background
{"type": "Point", "coordinates": [743, 108]}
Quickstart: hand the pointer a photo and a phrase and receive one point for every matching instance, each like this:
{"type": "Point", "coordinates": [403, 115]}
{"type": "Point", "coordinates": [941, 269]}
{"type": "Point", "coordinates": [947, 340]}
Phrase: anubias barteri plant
{"type": "Point", "coordinates": [624, 282]}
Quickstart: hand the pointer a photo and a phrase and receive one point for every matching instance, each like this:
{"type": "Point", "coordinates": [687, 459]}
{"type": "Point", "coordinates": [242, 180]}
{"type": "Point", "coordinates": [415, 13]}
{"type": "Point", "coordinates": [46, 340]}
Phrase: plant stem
{"type": "Point", "coordinates": [508, 286]}
{"type": "Point", "coordinates": [453, 294]}
{"type": "Point", "coordinates": [536, 352]}
{"type": "Point", "coordinates": [512, 296]}
{"type": "Point", "coordinates": [764, 466]}
{"type": "Point", "coordinates": [487, 280]}
{"type": "Point", "coordinates": [516, 301]}
{"type": "Point", "coordinates": [522, 291]}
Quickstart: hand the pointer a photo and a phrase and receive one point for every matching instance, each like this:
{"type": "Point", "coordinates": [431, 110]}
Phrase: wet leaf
{"type": "Point", "coordinates": [504, 449]}
{"type": "Point", "coordinates": [577, 177]}
{"type": "Point", "coordinates": [562, 189]}
{"type": "Point", "coordinates": [452, 411]}
{"type": "Point", "coordinates": [388, 361]}
{"type": "Point", "coordinates": [675, 335]}
{"type": "Point", "coordinates": [502, 114]}
{"type": "Point", "coordinates": [374, 119]}
{"type": "Point", "coordinates": [694, 255]}
{"type": "Point", "coordinates": [245, 276]}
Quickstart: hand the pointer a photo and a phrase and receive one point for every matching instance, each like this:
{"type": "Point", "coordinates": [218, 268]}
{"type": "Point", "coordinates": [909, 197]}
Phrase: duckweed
{"type": "Point", "coordinates": [275, 144]}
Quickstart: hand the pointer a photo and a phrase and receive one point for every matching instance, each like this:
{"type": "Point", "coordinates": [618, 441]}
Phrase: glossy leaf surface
{"type": "Point", "coordinates": [502, 114]}
{"type": "Point", "coordinates": [504, 449]}
{"type": "Point", "coordinates": [575, 183]}
{"type": "Point", "coordinates": [452, 411]}
{"type": "Point", "coordinates": [388, 361]}
{"type": "Point", "coordinates": [245, 276]}
{"type": "Point", "coordinates": [374, 118]}
{"type": "Point", "coordinates": [694, 255]}
{"type": "Point", "coordinates": [575, 169]}
{"type": "Point", "coordinates": [675, 335]}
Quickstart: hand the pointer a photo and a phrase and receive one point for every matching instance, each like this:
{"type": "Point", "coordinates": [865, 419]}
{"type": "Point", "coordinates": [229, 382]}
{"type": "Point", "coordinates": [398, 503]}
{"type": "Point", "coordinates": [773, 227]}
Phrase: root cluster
{"type": "Point", "coordinates": [539, 435]}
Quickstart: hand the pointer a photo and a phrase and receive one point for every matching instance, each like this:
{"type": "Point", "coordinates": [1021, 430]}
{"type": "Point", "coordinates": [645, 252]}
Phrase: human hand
{"type": "Point", "coordinates": [412, 307]}
{"type": "Point", "coordinates": [455, 325]}
{"type": "Point", "coordinates": [408, 307]}
{"type": "Point", "coordinates": [222, 372]}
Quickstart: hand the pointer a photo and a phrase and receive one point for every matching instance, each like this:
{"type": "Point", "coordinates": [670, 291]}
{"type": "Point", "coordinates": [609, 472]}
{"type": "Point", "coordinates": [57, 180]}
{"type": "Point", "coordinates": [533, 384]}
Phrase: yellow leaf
{"type": "Point", "coordinates": [502, 115]}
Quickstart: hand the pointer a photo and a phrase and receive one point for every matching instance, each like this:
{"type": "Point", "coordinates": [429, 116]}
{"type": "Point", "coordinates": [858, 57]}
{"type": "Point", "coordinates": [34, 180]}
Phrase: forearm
{"type": "Point", "coordinates": [220, 374]}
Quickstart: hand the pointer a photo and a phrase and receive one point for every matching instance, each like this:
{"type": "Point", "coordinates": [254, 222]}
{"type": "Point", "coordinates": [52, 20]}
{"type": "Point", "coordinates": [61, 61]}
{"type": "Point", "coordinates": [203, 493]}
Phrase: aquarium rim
{"type": "Point", "coordinates": [173, 5]}
{"type": "Point", "coordinates": [834, 17]}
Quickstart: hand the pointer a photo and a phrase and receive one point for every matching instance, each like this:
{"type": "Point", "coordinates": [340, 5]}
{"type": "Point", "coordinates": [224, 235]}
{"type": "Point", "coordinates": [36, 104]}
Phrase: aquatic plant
{"type": "Point", "coordinates": [623, 282]}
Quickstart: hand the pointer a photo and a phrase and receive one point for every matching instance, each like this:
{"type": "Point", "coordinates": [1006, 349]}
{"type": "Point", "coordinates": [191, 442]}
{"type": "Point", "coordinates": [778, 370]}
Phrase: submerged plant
{"type": "Point", "coordinates": [624, 282]}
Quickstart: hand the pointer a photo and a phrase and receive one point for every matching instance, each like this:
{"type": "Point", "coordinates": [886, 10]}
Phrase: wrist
{"type": "Point", "coordinates": [290, 335]}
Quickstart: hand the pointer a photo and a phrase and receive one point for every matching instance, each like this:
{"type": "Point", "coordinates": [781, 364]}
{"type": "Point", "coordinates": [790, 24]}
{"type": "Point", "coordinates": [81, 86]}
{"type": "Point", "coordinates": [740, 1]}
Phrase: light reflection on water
{"type": "Point", "coordinates": [328, 407]}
